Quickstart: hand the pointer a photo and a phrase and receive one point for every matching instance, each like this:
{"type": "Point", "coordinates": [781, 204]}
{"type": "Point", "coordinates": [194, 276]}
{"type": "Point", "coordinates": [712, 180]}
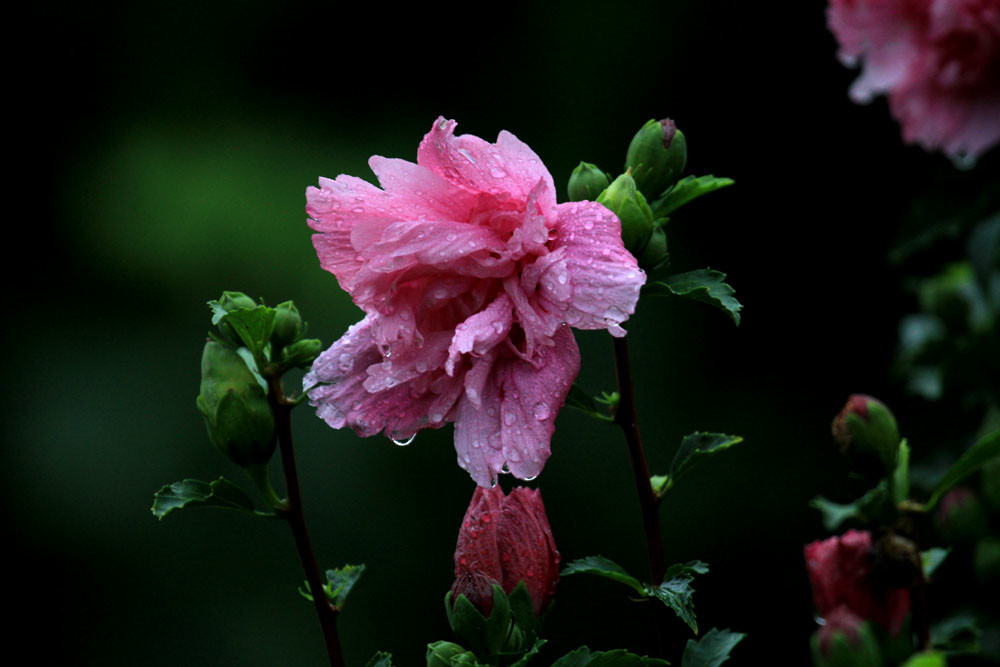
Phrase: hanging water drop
{"type": "Point", "coordinates": [404, 442]}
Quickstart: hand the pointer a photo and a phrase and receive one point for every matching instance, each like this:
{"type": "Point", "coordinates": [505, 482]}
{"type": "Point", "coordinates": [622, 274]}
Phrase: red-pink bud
{"type": "Point", "coordinates": [865, 426]}
{"type": "Point", "coordinates": [508, 539]}
{"type": "Point", "coordinates": [477, 587]}
{"type": "Point", "coordinates": [840, 620]}
{"type": "Point", "coordinates": [841, 574]}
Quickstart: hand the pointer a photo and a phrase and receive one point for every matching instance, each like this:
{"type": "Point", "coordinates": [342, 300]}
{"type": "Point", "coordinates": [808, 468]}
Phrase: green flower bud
{"type": "Point", "coordinates": [866, 428]}
{"type": "Point", "coordinates": [287, 324]}
{"type": "Point", "coordinates": [227, 303]}
{"type": "Point", "coordinates": [657, 156]}
{"type": "Point", "coordinates": [231, 301]}
{"type": "Point", "coordinates": [485, 635]}
{"type": "Point", "coordinates": [655, 253]}
{"type": "Point", "coordinates": [961, 517]}
{"type": "Point", "coordinates": [622, 199]}
{"type": "Point", "coordinates": [442, 654]}
{"type": "Point", "coordinates": [301, 353]}
{"type": "Point", "coordinates": [845, 640]}
{"type": "Point", "coordinates": [586, 182]}
{"type": "Point", "coordinates": [239, 420]}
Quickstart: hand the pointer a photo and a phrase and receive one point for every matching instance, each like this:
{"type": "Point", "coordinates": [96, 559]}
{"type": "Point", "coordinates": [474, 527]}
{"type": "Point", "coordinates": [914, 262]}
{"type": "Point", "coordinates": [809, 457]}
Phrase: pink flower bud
{"type": "Point", "coordinates": [866, 427]}
{"type": "Point", "coordinates": [507, 539]}
{"type": "Point", "coordinates": [839, 621]}
{"type": "Point", "coordinates": [477, 587]}
{"type": "Point", "coordinates": [841, 574]}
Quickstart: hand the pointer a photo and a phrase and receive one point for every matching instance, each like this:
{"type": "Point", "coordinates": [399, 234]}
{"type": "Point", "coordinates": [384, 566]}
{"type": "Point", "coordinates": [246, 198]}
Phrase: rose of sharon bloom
{"type": "Point", "coordinates": [506, 539]}
{"type": "Point", "coordinates": [468, 273]}
{"type": "Point", "coordinates": [840, 571]}
{"type": "Point", "coordinates": [939, 62]}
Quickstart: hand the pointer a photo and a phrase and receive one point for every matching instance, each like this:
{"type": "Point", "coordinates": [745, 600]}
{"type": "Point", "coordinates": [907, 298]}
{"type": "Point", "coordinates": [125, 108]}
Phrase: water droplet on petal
{"type": "Point", "coordinates": [497, 172]}
{"type": "Point", "coordinates": [541, 411]}
{"type": "Point", "coordinates": [451, 237]}
{"type": "Point", "coordinates": [421, 365]}
{"type": "Point", "coordinates": [588, 225]}
{"type": "Point", "coordinates": [509, 418]}
{"type": "Point", "coordinates": [358, 209]}
{"type": "Point", "coordinates": [345, 362]}
{"type": "Point", "coordinates": [504, 471]}
{"type": "Point", "coordinates": [404, 442]}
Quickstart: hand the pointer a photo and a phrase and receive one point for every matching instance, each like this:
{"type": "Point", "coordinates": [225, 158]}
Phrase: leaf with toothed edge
{"type": "Point", "coordinates": [221, 494]}
{"type": "Point", "coordinates": [712, 649]}
{"type": "Point", "coordinates": [703, 285]}
{"type": "Point", "coordinates": [603, 567]}
{"type": "Point", "coordinates": [676, 591]}
{"type": "Point", "coordinates": [695, 447]}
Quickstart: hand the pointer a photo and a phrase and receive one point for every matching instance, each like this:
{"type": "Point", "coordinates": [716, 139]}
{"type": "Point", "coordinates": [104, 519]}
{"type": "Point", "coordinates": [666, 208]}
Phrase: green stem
{"type": "Point", "coordinates": [293, 514]}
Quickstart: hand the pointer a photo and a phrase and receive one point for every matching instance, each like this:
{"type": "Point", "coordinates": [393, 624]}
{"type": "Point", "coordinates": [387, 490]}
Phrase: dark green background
{"type": "Point", "coordinates": [161, 155]}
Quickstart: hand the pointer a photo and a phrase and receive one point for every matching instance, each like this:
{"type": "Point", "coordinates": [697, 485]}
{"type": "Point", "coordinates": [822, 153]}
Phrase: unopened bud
{"type": "Point", "coordinates": [961, 517]}
{"type": "Point", "coordinates": [239, 420]}
{"type": "Point", "coordinates": [287, 324]}
{"type": "Point", "coordinates": [845, 640]}
{"type": "Point", "coordinates": [865, 427]}
{"type": "Point", "coordinates": [227, 303]}
{"type": "Point", "coordinates": [624, 200]}
{"type": "Point", "coordinates": [477, 587]}
{"type": "Point", "coordinates": [484, 634]}
{"type": "Point", "coordinates": [444, 654]}
{"type": "Point", "coordinates": [586, 182]}
{"type": "Point", "coordinates": [302, 353]}
{"type": "Point", "coordinates": [657, 156]}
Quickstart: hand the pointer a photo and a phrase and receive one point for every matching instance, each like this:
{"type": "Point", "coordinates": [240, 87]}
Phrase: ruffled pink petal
{"type": "Point", "coordinates": [336, 388]}
{"type": "Point", "coordinates": [421, 191]}
{"type": "Point", "coordinates": [514, 422]}
{"type": "Point", "coordinates": [481, 332]}
{"type": "Point", "coordinates": [605, 278]}
{"type": "Point", "coordinates": [507, 167]}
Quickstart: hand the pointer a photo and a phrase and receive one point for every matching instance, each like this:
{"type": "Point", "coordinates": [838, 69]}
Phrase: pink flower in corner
{"type": "Point", "coordinates": [939, 62]}
{"type": "Point", "coordinates": [468, 272]}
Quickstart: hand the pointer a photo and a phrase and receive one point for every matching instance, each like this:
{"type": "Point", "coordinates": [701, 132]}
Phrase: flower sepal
{"type": "Point", "coordinates": [845, 641]}
{"type": "Point", "coordinates": [487, 634]}
{"type": "Point", "coordinates": [448, 654]}
{"type": "Point", "coordinates": [624, 200]}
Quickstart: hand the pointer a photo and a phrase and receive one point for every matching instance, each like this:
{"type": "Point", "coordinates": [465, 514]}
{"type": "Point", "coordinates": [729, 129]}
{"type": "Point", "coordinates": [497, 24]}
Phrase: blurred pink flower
{"type": "Point", "coordinates": [939, 62]}
{"type": "Point", "coordinates": [506, 539]}
{"type": "Point", "coordinates": [468, 272]}
{"type": "Point", "coordinates": [840, 571]}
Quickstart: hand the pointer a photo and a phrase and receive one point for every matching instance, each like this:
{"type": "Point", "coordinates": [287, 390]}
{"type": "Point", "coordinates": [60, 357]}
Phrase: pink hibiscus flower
{"type": "Point", "coordinates": [468, 273]}
{"type": "Point", "coordinates": [841, 574]}
{"type": "Point", "coordinates": [939, 62]}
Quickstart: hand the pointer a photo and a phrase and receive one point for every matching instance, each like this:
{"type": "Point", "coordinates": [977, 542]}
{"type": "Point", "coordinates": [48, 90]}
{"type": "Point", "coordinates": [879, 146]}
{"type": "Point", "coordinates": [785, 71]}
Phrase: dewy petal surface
{"type": "Point", "coordinates": [468, 273]}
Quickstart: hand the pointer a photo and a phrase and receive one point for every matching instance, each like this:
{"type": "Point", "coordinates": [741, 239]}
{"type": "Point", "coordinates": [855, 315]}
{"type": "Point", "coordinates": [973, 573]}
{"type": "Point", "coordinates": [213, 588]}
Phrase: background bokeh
{"type": "Point", "coordinates": [162, 153]}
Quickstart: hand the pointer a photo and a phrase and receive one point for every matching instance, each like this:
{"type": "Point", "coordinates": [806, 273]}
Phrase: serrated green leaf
{"type": "Point", "coordinates": [864, 509]}
{"type": "Point", "coordinates": [676, 591]}
{"type": "Point", "coordinates": [195, 493]}
{"type": "Point", "coordinates": [972, 460]}
{"type": "Point", "coordinates": [685, 191]}
{"type": "Point", "coordinates": [697, 446]}
{"type": "Point", "coordinates": [581, 400]}
{"type": "Point", "coordinates": [711, 650]}
{"type": "Point", "coordinates": [339, 583]}
{"type": "Point", "coordinates": [380, 659]}
{"type": "Point", "coordinates": [583, 657]}
{"type": "Point", "coordinates": [604, 567]}
{"type": "Point", "coordinates": [901, 476]}
{"type": "Point", "coordinates": [931, 560]}
{"type": "Point", "coordinates": [703, 285]}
